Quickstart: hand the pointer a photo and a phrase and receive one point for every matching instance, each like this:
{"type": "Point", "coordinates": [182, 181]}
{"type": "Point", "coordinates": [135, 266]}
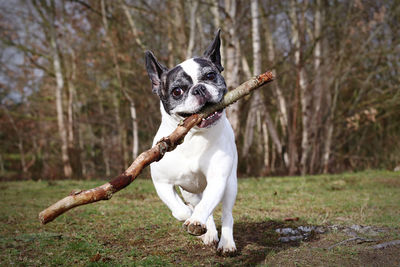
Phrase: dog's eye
{"type": "Point", "coordinates": [211, 76]}
{"type": "Point", "coordinates": [177, 92]}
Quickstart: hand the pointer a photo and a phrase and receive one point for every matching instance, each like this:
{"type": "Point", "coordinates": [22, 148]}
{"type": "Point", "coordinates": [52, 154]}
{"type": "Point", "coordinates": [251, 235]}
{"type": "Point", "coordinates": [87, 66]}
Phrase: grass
{"type": "Point", "coordinates": [135, 228]}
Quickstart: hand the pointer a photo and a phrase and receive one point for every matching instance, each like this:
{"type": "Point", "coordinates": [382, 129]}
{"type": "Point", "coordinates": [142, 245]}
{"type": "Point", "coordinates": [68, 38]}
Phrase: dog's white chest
{"type": "Point", "coordinates": [184, 166]}
{"type": "Point", "coordinates": [203, 153]}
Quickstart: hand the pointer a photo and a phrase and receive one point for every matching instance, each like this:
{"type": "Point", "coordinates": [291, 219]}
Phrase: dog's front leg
{"type": "Point", "coordinates": [212, 195]}
{"type": "Point", "coordinates": [168, 195]}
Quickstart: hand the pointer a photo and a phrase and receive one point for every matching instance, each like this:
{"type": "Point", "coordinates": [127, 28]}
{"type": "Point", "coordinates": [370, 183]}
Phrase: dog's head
{"type": "Point", "coordinates": [191, 85]}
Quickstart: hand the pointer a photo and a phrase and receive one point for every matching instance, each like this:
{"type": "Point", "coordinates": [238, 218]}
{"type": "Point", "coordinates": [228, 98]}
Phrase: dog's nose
{"type": "Point", "coordinates": [199, 90]}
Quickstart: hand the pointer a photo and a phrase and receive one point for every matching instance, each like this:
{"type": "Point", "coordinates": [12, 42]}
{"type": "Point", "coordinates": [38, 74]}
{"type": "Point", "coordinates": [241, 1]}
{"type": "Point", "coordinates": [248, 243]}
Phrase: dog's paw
{"type": "Point", "coordinates": [195, 228]}
{"type": "Point", "coordinates": [210, 238]}
{"type": "Point", "coordinates": [226, 248]}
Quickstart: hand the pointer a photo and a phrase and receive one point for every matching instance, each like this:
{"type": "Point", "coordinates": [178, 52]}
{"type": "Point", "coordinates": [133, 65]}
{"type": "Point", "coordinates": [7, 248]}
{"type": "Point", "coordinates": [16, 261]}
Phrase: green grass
{"type": "Point", "coordinates": [135, 228]}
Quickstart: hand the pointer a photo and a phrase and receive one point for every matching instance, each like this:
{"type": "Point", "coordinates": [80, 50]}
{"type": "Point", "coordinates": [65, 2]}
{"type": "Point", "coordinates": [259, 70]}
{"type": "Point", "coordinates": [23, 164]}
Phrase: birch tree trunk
{"type": "Point", "coordinates": [59, 99]}
{"type": "Point", "coordinates": [199, 24]}
{"type": "Point", "coordinates": [132, 25]}
{"type": "Point", "coordinates": [329, 126]}
{"type": "Point", "coordinates": [277, 91]}
{"type": "Point", "coordinates": [267, 120]}
{"type": "Point", "coordinates": [135, 136]}
{"type": "Point", "coordinates": [115, 100]}
{"type": "Point", "coordinates": [132, 109]}
{"type": "Point", "coordinates": [70, 109]}
{"type": "Point", "coordinates": [232, 62]}
{"type": "Point", "coordinates": [282, 106]}
{"type": "Point", "coordinates": [104, 147]}
{"type": "Point", "coordinates": [217, 24]}
{"type": "Point", "coordinates": [318, 86]}
{"type": "Point", "coordinates": [302, 84]}
{"type": "Point", "coordinates": [170, 43]}
{"type": "Point", "coordinates": [293, 156]}
{"type": "Point", "coordinates": [192, 25]}
{"type": "Point", "coordinates": [255, 99]}
{"type": "Point", "coordinates": [73, 136]}
{"type": "Point", "coordinates": [177, 8]}
{"type": "Point", "coordinates": [267, 165]}
{"type": "Point", "coordinates": [255, 33]}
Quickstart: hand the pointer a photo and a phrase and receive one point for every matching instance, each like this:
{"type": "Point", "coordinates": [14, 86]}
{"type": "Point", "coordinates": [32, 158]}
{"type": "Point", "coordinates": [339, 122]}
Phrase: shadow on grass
{"type": "Point", "coordinates": [256, 240]}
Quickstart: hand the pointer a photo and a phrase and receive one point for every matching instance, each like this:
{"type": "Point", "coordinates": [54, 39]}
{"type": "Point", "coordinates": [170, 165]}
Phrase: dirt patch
{"type": "Point", "coordinates": [261, 243]}
{"type": "Point", "coordinates": [380, 257]}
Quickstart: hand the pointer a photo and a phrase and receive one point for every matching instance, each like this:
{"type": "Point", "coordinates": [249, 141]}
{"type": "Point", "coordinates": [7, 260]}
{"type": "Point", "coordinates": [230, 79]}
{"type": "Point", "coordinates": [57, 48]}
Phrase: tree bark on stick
{"type": "Point", "coordinates": [166, 144]}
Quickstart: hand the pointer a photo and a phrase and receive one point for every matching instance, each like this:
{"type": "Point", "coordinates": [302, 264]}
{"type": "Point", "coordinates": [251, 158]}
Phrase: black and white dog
{"type": "Point", "coordinates": [204, 165]}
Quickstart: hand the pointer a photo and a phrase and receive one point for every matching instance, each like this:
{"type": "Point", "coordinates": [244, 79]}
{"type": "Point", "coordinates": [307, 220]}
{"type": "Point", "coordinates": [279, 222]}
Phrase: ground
{"type": "Point", "coordinates": [134, 228]}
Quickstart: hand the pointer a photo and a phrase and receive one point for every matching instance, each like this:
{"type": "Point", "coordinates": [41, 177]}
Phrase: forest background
{"type": "Point", "coordinates": [76, 102]}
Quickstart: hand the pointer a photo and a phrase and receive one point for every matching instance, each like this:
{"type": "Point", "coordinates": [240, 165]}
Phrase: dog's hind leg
{"type": "Point", "coordinates": [190, 198]}
{"type": "Point", "coordinates": [227, 245]}
{"type": "Point", "coordinates": [170, 197]}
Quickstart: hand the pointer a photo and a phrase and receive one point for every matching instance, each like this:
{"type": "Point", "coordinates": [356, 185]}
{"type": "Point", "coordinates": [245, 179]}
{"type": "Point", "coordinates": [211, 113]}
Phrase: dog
{"type": "Point", "coordinates": [204, 166]}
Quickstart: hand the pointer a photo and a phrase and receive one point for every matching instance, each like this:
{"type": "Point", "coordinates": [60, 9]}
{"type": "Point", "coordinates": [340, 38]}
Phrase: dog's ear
{"type": "Point", "coordinates": [155, 69]}
{"type": "Point", "coordinates": [213, 52]}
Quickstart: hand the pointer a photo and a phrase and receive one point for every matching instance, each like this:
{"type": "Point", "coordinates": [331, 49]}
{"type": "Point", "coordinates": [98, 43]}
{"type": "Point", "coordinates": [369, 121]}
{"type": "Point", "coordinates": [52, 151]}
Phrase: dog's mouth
{"type": "Point", "coordinates": [208, 121]}
{"type": "Point", "coordinates": [211, 119]}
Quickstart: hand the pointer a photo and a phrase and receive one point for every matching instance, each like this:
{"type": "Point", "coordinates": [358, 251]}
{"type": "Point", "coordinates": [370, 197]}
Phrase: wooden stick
{"type": "Point", "coordinates": [169, 143]}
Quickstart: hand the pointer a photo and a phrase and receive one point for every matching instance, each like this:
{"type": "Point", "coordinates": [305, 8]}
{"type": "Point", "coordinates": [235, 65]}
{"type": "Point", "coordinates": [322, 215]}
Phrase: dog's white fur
{"type": "Point", "coordinates": [204, 168]}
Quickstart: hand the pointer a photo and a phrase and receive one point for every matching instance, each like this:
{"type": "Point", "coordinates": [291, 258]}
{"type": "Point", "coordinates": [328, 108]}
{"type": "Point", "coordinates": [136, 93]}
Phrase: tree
{"type": "Point", "coordinates": [333, 106]}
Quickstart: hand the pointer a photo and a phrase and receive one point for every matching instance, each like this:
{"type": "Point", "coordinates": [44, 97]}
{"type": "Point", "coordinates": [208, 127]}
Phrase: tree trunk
{"type": "Point", "coordinates": [269, 124]}
{"type": "Point", "coordinates": [282, 106]}
{"type": "Point", "coordinates": [203, 40]}
{"type": "Point", "coordinates": [135, 136]}
{"type": "Point", "coordinates": [59, 103]}
{"type": "Point", "coordinates": [74, 152]}
{"type": "Point", "coordinates": [329, 125]}
{"type": "Point", "coordinates": [273, 133]}
{"type": "Point", "coordinates": [281, 103]}
{"type": "Point", "coordinates": [120, 129]}
{"type": "Point", "coordinates": [132, 25]}
{"type": "Point", "coordinates": [135, 144]}
{"type": "Point", "coordinates": [170, 46]}
{"type": "Point", "coordinates": [293, 156]}
{"type": "Point", "coordinates": [255, 99]}
{"type": "Point", "coordinates": [104, 147]}
{"type": "Point", "coordinates": [232, 62]}
{"type": "Point", "coordinates": [192, 25]}
{"type": "Point", "coordinates": [255, 33]}
{"type": "Point", "coordinates": [217, 25]}
{"type": "Point", "coordinates": [132, 108]}
{"type": "Point", "coordinates": [318, 86]}
{"type": "Point", "coordinates": [177, 8]}
{"type": "Point", "coordinates": [297, 32]}
{"type": "Point", "coordinates": [267, 166]}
